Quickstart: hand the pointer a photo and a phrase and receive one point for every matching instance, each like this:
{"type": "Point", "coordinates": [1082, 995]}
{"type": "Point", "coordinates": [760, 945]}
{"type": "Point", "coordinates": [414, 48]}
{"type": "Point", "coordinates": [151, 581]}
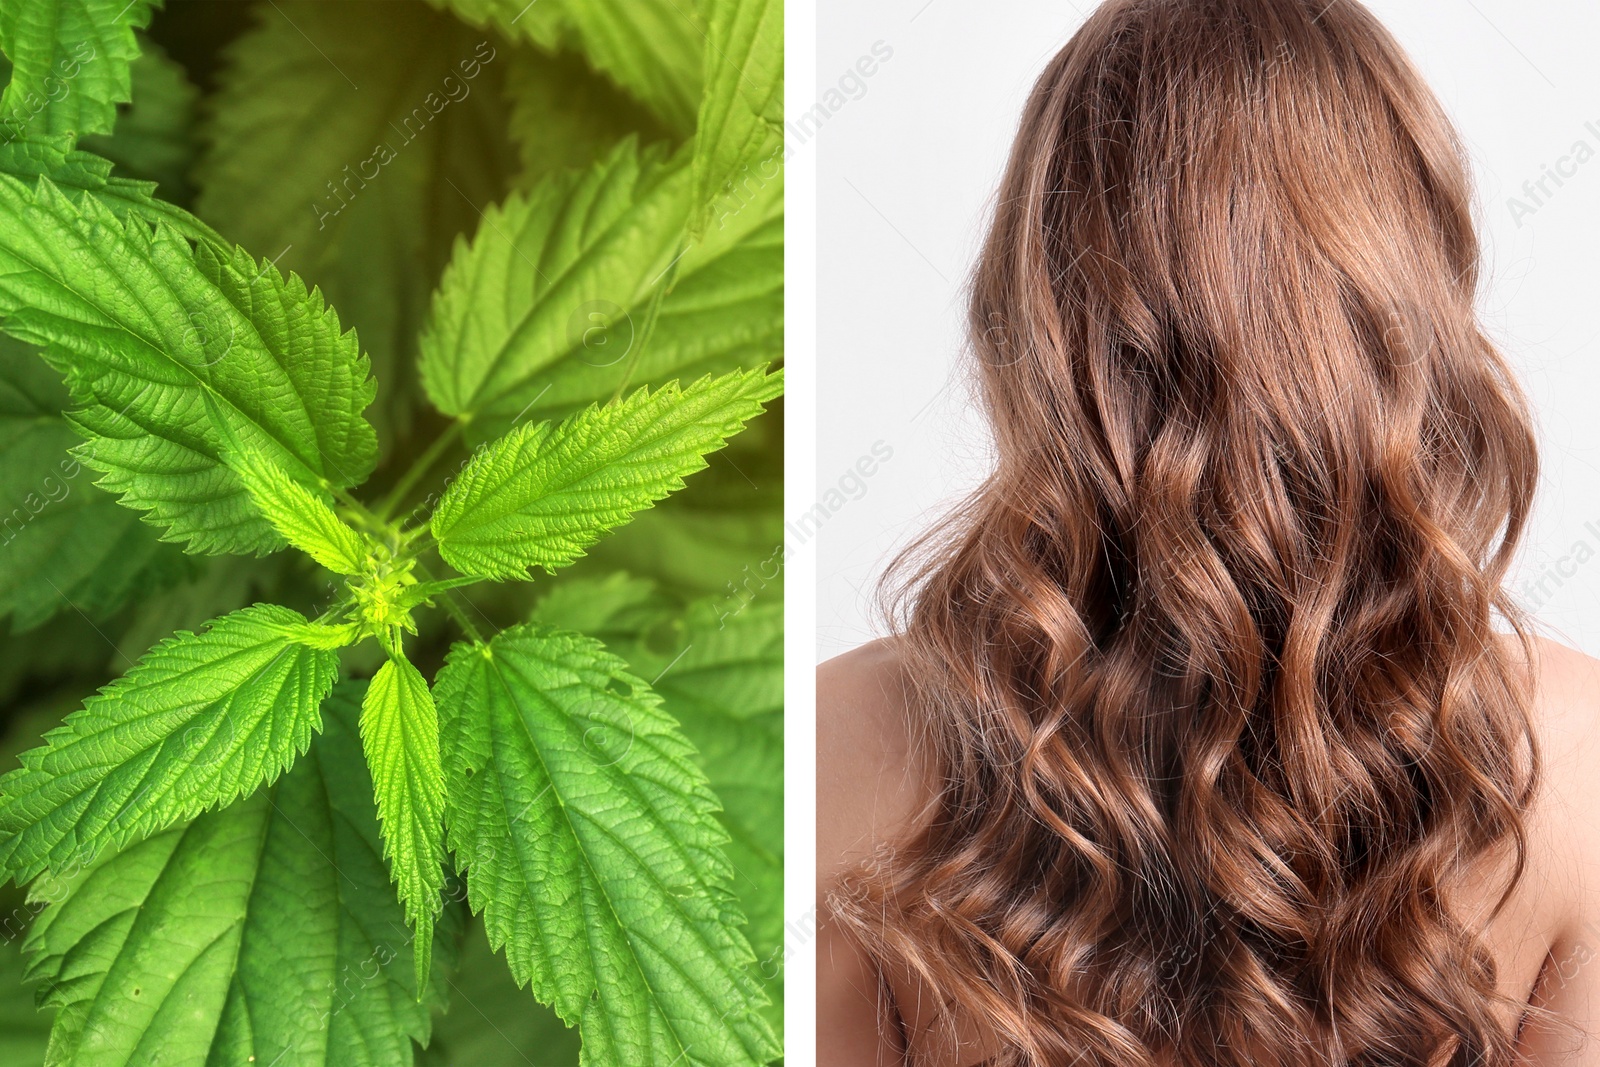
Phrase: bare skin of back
{"type": "Point", "coordinates": [870, 790]}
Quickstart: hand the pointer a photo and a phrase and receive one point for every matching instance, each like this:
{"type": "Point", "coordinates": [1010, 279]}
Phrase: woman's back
{"type": "Point", "coordinates": [1226, 762]}
{"type": "Point", "coordinates": [874, 779]}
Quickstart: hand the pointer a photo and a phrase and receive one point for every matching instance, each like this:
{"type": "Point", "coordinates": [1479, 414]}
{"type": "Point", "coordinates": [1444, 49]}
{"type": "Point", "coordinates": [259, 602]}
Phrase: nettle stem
{"type": "Point", "coordinates": [363, 515]}
{"type": "Point", "coordinates": [447, 598]}
{"type": "Point", "coordinates": [423, 464]}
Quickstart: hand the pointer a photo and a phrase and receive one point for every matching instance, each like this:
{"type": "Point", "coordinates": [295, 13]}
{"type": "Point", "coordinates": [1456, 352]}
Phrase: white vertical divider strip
{"type": "Point", "coordinates": [800, 479]}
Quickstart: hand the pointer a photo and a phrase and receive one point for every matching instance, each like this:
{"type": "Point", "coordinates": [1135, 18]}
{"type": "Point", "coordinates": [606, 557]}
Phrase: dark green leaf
{"type": "Point", "coordinates": [389, 145]}
{"type": "Point", "coordinates": [265, 933]}
{"type": "Point", "coordinates": [65, 545]}
{"type": "Point", "coordinates": [591, 845]}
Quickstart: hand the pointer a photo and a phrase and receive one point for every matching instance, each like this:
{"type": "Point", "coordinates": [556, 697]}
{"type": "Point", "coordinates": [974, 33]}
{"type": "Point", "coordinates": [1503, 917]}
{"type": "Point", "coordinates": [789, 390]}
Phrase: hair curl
{"type": "Point", "coordinates": [1207, 664]}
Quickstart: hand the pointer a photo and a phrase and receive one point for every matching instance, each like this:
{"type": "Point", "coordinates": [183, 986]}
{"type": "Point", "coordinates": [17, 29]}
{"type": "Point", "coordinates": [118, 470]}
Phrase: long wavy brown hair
{"type": "Point", "coordinates": [1207, 667]}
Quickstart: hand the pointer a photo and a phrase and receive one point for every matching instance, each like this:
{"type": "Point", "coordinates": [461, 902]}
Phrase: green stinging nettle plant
{"type": "Point", "coordinates": [273, 839]}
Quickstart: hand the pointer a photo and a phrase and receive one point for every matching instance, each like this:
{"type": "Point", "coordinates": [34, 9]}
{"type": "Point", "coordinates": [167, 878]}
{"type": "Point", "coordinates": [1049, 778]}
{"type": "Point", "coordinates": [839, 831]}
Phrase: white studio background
{"type": "Point", "coordinates": [924, 99]}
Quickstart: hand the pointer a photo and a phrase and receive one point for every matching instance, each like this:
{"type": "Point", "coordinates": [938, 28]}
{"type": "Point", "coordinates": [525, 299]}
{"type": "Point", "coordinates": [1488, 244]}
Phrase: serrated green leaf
{"type": "Point", "coordinates": [145, 328]}
{"type": "Point", "coordinates": [154, 137]}
{"type": "Point", "coordinates": [724, 311]}
{"type": "Point", "coordinates": [201, 720]}
{"type": "Point", "coordinates": [65, 545]}
{"type": "Point", "coordinates": [77, 173]}
{"type": "Point", "coordinates": [718, 668]}
{"type": "Point", "coordinates": [739, 139]}
{"type": "Point", "coordinates": [264, 933]}
{"type": "Point", "coordinates": [721, 677]}
{"type": "Point", "coordinates": [726, 538]}
{"type": "Point", "coordinates": [408, 143]}
{"type": "Point", "coordinates": [70, 63]}
{"type": "Point", "coordinates": [525, 293]}
{"type": "Point", "coordinates": [591, 845]}
{"type": "Point", "coordinates": [543, 493]}
{"type": "Point", "coordinates": [649, 48]}
{"type": "Point", "coordinates": [565, 116]}
{"type": "Point", "coordinates": [298, 514]}
{"type": "Point", "coordinates": [543, 312]}
{"type": "Point", "coordinates": [400, 734]}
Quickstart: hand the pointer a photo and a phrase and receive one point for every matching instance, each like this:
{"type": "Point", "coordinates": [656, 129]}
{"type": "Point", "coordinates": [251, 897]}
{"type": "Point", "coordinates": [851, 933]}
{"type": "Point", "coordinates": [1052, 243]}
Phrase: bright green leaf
{"type": "Point", "coordinates": [591, 845]}
{"type": "Point", "coordinates": [78, 173]}
{"type": "Point", "coordinates": [265, 933]}
{"type": "Point", "coordinates": [199, 721]}
{"type": "Point", "coordinates": [389, 145]}
{"type": "Point", "coordinates": [740, 134]}
{"type": "Point", "coordinates": [543, 493]}
{"type": "Point", "coordinates": [728, 537]}
{"type": "Point", "coordinates": [154, 137]}
{"type": "Point", "coordinates": [65, 545]}
{"type": "Point", "coordinates": [723, 312]}
{"type": "Point", "coordinates": [545, 310]}
{"type": "Point", "coordinates": [547, 276]}
{"type": "Point", "coordinates": [400, 733]}
{"type": "Point", "coordinates": [69, 63]}
{"type": "Point", "coordinates": [303, 519]}
{"type": "Point", "coordinates": [146, 328]}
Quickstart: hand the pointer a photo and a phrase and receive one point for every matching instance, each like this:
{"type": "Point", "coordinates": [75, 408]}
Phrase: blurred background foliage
{"type": "Point", "coordinates": [357, 143]}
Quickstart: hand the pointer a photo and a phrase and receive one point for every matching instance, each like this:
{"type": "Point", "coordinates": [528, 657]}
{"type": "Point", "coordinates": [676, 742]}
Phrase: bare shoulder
{"type": "Point", "coordinates": [1566, 707]}
{"type": "Point", "coordinates": [870, 784]}
{"type": "Point", "coordinates": [866, 792]}
{"type": "Point", "coordinates": [1565, 829]}
{"type": "Point", "coordinates": [1561, 884]}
